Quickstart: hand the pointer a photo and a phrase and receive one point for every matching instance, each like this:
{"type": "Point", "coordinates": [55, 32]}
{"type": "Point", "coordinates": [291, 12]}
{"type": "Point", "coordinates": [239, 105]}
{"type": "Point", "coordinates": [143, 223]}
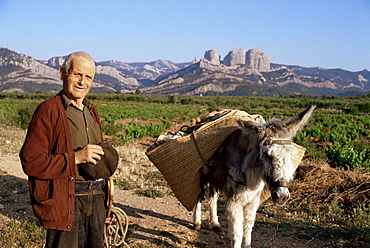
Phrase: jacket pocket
{"type": "Point", "coordinates": [41, 191]}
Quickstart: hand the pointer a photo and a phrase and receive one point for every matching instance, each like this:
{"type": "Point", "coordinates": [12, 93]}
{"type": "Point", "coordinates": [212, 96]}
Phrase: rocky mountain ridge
{"type": "Point", "coordinates": [241, 72]}
{"type": "Point", "coordinates": [250, 72]}
{"type": "Point", "coordinates": [254, 58]}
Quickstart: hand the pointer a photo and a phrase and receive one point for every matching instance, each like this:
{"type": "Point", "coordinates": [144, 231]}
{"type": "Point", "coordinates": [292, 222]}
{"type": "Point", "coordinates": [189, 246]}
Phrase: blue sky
{"type": "Point", "coordinates": [323, 33]}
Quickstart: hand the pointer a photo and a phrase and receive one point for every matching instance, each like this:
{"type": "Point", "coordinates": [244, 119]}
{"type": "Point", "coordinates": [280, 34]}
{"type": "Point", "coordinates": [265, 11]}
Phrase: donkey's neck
{"type": "Point", "coordinates": [250, 171]}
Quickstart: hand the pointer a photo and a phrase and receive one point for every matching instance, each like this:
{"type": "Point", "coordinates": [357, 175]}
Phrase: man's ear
{"type": "Point", "coordinates": [62, 73]}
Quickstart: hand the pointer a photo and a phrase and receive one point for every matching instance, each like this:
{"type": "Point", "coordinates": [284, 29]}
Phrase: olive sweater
{"type": "Point", "coordinates": [48, 159]}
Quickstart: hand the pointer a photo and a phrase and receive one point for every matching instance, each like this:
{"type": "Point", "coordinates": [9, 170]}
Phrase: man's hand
{"type": "Point", "coordinates": [90, 153]}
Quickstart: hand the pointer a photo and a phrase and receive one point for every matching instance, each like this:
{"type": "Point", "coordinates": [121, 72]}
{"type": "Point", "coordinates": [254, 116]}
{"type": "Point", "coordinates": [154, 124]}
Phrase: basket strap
{"type": "Point", "coordinates": [198, 150]}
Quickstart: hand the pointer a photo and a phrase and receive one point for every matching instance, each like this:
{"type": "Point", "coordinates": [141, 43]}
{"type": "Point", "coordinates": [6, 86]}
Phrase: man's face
{"type": "Point", "coordinates": [78, 81]}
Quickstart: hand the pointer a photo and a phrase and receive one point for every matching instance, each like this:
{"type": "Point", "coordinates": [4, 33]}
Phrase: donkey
{"type": "Point", "coordinates": [253, 156]}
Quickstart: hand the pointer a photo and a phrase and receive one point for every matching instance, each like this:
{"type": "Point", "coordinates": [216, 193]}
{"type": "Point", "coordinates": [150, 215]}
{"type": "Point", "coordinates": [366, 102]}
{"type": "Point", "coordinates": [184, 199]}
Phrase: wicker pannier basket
{"type": "Point", "coordinates": [180, 160]}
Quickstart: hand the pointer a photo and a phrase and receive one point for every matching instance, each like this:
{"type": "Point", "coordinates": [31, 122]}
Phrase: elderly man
{"type": "Point", "coordinates": [64, 132]}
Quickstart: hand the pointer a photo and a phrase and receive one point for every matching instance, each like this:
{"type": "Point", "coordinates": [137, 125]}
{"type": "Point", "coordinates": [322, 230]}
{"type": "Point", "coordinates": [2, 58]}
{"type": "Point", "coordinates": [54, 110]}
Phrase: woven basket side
{"type": "Point", "coordinates": [297, 158]}
{"type": "Point", "coordinates": [265, 194]}
{"type": "Point", "coordinates": [179, 163]}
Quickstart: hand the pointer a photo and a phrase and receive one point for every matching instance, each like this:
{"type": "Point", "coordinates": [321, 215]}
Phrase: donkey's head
{"type": "Point", "coordinates": [276, 151]}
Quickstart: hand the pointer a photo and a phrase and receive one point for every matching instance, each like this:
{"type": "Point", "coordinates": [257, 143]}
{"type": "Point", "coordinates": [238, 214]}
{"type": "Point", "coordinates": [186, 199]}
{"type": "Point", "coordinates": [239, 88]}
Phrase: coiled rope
{"type": "Point", "coordinates": [116, 223]}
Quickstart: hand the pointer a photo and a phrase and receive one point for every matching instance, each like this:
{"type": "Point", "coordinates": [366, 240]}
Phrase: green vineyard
{"type": "Point", "coordinates": [339, 132]}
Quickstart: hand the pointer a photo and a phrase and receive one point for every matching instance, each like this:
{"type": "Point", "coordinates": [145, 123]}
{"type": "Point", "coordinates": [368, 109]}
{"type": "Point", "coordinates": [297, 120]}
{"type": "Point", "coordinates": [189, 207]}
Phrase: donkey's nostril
{"type": "Point", "coordinates": [275, 195]}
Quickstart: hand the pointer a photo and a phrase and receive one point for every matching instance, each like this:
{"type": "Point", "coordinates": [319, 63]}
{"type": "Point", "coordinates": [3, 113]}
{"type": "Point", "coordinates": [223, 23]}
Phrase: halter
{"type": "Point", "coordinates": [281, 142]}
{"type": "Point", "coordinates": [277, 184]}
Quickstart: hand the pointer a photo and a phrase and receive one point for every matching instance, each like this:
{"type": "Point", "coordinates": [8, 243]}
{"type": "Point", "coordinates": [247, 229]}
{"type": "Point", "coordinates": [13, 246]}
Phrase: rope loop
{"type": "Point", "coordinates": [116, 223]}
{"type": "Point", "coordinates": [116, 228]}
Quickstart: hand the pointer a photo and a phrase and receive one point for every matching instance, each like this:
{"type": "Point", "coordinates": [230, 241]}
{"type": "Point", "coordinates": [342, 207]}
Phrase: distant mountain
{"type": "Point", "coordinates": [206, 78]}
{"type": "Point", "coordinates": [145, 73]}
{"type": "Point", "coordinates": [344, 79]}
{"type": "Point", "coordinates": [22, 73]}
{"type": "Point", "coordinates": [241, 72]}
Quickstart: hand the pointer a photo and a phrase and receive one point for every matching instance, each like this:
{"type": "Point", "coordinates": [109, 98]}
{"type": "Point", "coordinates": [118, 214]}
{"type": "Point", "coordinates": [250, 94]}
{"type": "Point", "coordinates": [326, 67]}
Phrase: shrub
{"type": "Point", "coordinates": [150, 193]}
{"type": "Point", "coordinates": [346, 156]}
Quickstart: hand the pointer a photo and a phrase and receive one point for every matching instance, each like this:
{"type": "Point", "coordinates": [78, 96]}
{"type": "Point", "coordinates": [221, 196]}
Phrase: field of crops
{"type": "Point", "coordinates": [338, 133]}
{"type": "Point", "coordinates": [125, 121]}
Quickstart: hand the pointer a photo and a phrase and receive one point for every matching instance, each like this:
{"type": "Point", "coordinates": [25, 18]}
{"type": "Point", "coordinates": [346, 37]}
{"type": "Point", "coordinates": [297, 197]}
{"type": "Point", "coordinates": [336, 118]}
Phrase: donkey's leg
{"type": "Point", "coordinates": [213, 212]}
{"type": "Point", "coordinates": [249, 218]}
{"type": "Point", "coordinates": [235, 222]}
{"type": "Point", "coordinates": [197, 215]}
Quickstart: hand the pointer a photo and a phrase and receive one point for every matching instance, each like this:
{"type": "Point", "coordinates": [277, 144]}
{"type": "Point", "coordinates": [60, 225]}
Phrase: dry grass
{"type": "Point", "coordinates": [319, 183]}
{"type": "Point", "coordinates": [18, 226]}
{"type": "Point", "coordinates": [135, 171]}
{"type": "Point", "coordinates": [28, 232]}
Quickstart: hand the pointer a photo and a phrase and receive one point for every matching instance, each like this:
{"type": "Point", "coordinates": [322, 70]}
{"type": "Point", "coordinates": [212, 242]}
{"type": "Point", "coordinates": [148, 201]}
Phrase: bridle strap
{"type": "Point", "coordinates": [281, 142]}
{"type": "Point", "coordinates": [278, 184]}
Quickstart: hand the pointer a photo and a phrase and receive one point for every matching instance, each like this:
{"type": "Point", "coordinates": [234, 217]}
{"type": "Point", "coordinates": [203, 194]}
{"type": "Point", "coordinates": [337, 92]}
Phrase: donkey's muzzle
{"type": "Point", "coordinates": [280, 195]}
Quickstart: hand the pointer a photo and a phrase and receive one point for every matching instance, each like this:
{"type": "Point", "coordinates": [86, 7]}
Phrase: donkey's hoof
{"type": "Point", "coordinates": [197, 226]}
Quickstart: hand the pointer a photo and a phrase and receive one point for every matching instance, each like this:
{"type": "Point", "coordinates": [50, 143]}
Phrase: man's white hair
{"type": "Point", "coordinates": [67, 62]}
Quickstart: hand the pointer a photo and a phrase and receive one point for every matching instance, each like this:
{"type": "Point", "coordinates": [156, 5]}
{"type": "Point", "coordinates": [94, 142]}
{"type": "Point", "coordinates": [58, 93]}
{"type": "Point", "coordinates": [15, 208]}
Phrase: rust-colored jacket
{"type": "Point", "coordinates": [48, 159]}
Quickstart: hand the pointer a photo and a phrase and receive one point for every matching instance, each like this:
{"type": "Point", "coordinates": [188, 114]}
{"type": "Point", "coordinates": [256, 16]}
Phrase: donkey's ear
{"type": "Point", "coordinates": [297, 122]}
{"type": "Point", "coordinates": [250, 127]}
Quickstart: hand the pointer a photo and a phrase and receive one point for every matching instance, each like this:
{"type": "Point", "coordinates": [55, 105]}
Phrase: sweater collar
{"type": "Point", "coordinates": [66, 102]}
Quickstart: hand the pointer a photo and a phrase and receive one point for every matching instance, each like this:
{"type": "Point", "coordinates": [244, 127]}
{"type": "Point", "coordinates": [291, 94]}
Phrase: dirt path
{"type": "Point", "coordinates": [12, 166]}
{"type": "Point", "coordinates": [164, 222]}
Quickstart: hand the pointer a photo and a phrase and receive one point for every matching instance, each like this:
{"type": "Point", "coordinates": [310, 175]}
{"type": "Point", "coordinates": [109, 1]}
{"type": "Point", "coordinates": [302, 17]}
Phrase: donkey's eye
{"type": "Point", "coordinates": [268, 157]}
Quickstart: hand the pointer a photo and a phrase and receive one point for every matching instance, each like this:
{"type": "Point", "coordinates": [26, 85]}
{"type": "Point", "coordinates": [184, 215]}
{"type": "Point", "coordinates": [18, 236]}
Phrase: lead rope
{"type": "Point", "coordinates": [116, 223]}
{"type": "Point", "coordinates": [276, 229]}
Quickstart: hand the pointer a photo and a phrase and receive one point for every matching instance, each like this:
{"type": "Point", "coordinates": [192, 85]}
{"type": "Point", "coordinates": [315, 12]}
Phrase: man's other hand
{"type": "Point", "coordinates": [90, 153]}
